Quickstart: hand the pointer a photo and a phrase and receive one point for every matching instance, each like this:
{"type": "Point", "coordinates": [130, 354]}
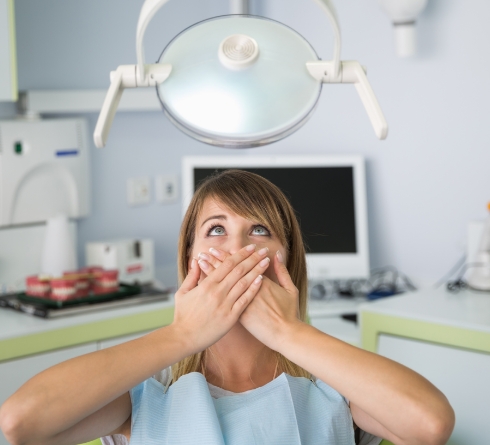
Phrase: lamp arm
{"type": "Point", "coordinates": [131, 76]}
{"type": "Point", "coordinates": [148, 11]}
{"type": "Point", "coordinates": [329, 9]}
{"type": "Point", "coordinates": [150, 8]}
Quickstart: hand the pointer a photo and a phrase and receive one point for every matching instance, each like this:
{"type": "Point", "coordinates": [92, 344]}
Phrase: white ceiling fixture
{"type": "Point", "coordinates": [239, 7]}
{"type": "Point", "coordinates": [403, 14]}
{"type": "Point", "coordinates": [237, 81]}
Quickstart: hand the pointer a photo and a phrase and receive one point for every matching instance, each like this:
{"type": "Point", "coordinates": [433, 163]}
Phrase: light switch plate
{"type": "Point", "coordinates": [167, 188]}
{"type": "Point", "coordinates": [138, 191]}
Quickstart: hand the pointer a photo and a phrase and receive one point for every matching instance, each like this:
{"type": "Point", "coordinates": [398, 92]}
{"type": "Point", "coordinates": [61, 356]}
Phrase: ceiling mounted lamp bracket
{"type": "Point", "coordinates": [216, 112]}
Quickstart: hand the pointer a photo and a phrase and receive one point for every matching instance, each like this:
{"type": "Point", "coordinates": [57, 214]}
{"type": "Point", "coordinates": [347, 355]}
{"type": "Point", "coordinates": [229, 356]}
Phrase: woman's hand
{"type": "Point", "coordinates": [206, 312]}
{"type": "Point", "coordinates": [274, 309]}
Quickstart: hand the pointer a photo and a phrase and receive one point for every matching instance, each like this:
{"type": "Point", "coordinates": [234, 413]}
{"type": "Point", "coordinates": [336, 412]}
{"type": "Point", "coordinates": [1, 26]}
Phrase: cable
{"type": "Point", "coordinates": [383, 281]}
{"type": "Point", "coordinates": [460, 263]}
{"type": "Point", "coordinates": [460, 283]}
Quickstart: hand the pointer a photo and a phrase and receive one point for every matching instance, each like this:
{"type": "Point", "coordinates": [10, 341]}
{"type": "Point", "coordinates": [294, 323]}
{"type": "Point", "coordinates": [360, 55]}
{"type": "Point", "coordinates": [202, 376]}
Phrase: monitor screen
{"type": "Point", "coordinates": [322, 197]}
{"type": "Point", "coordinates": [328, 194]}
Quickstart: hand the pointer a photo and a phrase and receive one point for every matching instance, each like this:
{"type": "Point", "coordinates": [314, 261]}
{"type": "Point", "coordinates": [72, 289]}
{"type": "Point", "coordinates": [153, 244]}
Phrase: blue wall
{"type": "Point", "coordinates": [424, 183]}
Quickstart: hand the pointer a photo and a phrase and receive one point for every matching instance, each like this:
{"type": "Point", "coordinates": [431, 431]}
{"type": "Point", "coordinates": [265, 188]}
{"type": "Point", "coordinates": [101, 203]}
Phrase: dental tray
{"type": "Point", "coordinates": [128, 295]}
{"type": "Point", "coordinates": [125, 290]}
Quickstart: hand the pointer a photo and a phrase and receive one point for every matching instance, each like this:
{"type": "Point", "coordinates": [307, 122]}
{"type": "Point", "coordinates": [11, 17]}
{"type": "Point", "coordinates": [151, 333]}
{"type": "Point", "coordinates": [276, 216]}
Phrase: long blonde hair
{"type": "Point", "coordinates": [255, 198]}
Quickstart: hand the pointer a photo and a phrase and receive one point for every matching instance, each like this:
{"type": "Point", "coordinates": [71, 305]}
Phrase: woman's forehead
{"type": "Point", "coordinates": [214, 207]}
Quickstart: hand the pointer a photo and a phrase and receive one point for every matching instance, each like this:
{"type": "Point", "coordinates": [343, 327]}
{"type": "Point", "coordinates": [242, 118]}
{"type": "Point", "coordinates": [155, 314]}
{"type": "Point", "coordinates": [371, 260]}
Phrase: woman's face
{"type": "Point", "coordinates": [219, 227]}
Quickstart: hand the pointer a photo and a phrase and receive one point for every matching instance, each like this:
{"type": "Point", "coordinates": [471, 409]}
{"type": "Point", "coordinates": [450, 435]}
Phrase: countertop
{"type": "Point", "coordinates": [15, 324]}
{"type": "Point", "coordinates": [466, 309]}
{"type": "Point", "coordinates": [22, 334]}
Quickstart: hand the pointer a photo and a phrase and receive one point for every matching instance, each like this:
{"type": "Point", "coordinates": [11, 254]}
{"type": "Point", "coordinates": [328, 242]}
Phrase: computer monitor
{"type": "Point", "coordinates": [328, 194]}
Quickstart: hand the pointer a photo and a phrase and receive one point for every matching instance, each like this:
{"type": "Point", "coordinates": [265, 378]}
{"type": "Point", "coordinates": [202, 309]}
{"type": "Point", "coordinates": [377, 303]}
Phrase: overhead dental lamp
{"type": "Point", "coordinates": [237, 81]}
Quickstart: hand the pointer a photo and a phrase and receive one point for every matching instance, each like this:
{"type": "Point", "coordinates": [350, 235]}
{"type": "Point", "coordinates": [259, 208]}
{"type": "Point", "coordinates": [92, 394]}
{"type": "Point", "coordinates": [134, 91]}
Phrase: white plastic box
{"type": "Point", "coordinates": [133, 258]}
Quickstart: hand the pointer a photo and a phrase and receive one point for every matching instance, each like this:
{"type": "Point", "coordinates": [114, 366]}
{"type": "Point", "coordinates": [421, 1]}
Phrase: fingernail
{"type": "Point", "coordinates": [203, 256]}
{"type": "Point", "coordinates": [250, 247]}
{"type": "Point", "coordinates": [258, 279]}
{"type": "Point", "coordinates": [193, 263]}
{"type": "Point", "coordinates": [214, 251]}
{"type": "Point", "coordinates": [279, 257]}
{"type": "Point", "coordinates": [203, 264]}
{"type": "Point", "coordinates": [265, 262]}
{"type": "Point", "coordinates": [263, 251]}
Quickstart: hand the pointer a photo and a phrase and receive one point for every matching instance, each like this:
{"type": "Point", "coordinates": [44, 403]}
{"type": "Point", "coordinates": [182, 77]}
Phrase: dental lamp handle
{"type": "Point", "coordinates": [353, 72]}
{"type": "Point", "coordinates": [109, 107]}
{"type": "Point", "coordinates": [125, 77]}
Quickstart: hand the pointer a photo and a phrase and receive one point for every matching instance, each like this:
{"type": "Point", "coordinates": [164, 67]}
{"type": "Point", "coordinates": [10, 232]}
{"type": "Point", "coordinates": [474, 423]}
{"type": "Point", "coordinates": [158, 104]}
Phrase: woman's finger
{"type": "Point", "coordinates": [282, 273]}
{"type": "Point", "coordinates": [230, 264]}
{"type": "Point", "coordinates": [210, 259]}
{"type": "Point", "coordinates": [247, 297]}
{"type": "Point", "coordinates": [218, 254]}
{"type": "Point", "coordinates": [242, 286]}
{"type": "Point", "coordinates": [237, 274]}
{"type": "Point", "coordinates": [192, 278]}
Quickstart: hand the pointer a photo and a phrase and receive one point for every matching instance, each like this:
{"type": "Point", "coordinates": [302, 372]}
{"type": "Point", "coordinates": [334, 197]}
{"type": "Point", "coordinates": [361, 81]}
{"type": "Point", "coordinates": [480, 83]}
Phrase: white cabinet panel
{"type": "Point", "coordinates": [462, 375]}
{"type": "Point", "coordinates": [117, 341]}
{"type": "Point", "coordinates": [8, 63]}
{"type": "Point", "coordinates": [16, 372]}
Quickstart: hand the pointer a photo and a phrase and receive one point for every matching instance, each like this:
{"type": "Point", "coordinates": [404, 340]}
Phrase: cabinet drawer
{"type": "Point", "coordinates": [462, 375]}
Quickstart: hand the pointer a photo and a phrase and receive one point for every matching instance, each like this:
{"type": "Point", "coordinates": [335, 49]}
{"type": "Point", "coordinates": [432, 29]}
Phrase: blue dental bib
{"type": "Point", "coordinates": [286, 411]}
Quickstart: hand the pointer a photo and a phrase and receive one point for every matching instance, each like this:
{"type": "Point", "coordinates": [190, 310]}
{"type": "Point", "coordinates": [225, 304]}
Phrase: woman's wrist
{"type": "Point", "coordinates": [286, 336]}
{"type": "Point", "coordinates": [183, 338]}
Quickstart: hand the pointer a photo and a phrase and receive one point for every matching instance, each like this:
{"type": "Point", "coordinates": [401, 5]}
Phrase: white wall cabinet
{"type": "Point", "coordinates": [8, 59]}
{"type": "Point", "coordinates": [462, 375]}
{"type": "Point", "coordinates": [16, 372]}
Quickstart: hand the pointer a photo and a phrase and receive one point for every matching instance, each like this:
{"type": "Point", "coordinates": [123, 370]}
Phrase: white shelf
{"type": "Point", "coordinates": [85, 101]}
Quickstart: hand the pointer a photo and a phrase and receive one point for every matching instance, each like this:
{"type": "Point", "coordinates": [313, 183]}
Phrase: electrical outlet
{"type": "Point", "coordinates": [138, 191]}
{"type": "Point", "coordinates": [167, 188]}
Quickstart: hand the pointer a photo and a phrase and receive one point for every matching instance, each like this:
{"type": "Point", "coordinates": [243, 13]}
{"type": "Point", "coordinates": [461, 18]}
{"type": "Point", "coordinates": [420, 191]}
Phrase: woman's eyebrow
{"type": "Point", "coordinates": [214, 217]}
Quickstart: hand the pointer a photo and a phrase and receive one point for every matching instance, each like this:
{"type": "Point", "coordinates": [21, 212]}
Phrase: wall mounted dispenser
{"type": "Point", "coordinates": [237, 81]}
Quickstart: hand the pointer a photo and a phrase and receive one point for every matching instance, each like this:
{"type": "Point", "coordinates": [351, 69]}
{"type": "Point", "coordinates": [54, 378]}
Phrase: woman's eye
{"type": "Point", "coordinates": [217, 231]}
{"type": "Point", "coordinates": [260, 230]}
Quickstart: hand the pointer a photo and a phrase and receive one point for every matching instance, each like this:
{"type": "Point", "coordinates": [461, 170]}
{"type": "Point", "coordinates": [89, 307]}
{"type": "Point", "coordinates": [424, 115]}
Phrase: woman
{"type": "Point", "coordinates": [241, 353]}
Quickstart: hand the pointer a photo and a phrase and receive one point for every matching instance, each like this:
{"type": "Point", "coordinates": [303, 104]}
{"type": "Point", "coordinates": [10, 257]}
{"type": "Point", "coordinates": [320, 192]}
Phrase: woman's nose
{"type": "Point", "coordinates": [237, 243]}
